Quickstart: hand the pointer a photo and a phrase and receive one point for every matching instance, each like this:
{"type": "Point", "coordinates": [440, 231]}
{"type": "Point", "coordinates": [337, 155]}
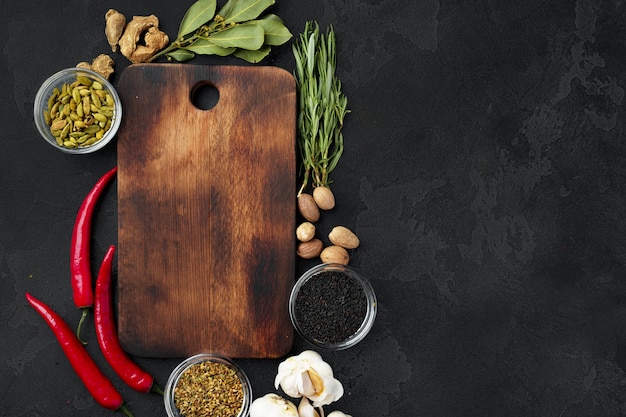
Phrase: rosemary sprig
{"type": "Point", "coordinates": [321, 106]}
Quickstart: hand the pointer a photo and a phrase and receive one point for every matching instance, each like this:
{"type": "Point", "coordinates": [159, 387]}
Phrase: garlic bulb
{"type": "Point", "coordinates": [273, 405]}
{"type": "Point", "coordinates": [308, 375]}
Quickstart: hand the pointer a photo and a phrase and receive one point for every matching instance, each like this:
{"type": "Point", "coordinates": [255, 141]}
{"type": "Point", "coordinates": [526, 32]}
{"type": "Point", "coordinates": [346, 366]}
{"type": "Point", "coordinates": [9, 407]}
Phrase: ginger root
{"type": "Point", "coordinates": [142, 39]}
{"type": "Point", "coordinates": [115, 23]}
{"type": "Point", "coordinates": [102, 64]}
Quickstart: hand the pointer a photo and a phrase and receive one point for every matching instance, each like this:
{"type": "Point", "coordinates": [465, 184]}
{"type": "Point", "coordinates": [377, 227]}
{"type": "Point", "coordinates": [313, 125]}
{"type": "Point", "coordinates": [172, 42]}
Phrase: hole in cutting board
{"type": "Point", "coordinates": [205, 96]}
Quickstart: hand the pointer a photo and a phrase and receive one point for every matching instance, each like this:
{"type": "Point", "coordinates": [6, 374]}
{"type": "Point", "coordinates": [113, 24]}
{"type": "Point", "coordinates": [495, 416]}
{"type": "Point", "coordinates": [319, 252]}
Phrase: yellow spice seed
{"type": "Point", "coordinates": [86, 105]}
{"type": "Point", "coordinates": [76, 95]}
{"type": "Point", "coordinates": [54, 109]}
{"type": "Point", "coordinates": [58, 124]}
{"type": "Point", "coordinates": [79, 113]}
{"type": "Point", "coordinates": [95, 99]}
{"type": "Point", "coordinates": [209, 389]}
{"type": "Point", "coordinates": [52, 101]}
{"type": "Point", "coordinates": [84, 80]}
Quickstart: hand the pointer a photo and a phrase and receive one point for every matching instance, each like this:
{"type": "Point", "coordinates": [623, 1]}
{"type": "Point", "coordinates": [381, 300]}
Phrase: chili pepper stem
{"type": "Point", "coordinates": [83, 317]}
{"type": "Point", "coordinates": [124, 410]}
{"type": "Point", "coordinates": [156, 389]}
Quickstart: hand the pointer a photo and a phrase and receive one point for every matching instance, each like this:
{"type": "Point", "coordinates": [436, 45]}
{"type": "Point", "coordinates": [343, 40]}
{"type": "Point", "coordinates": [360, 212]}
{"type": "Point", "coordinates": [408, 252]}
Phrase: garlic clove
{"type": "Point", "coordinates": [305, 409]}
{"type": "Point", "coordinates": [338, 414]}
{"type": "Point", "coordinates": [292, 385]}
{"type": "Point", "coordinates": [306, 387]}
{"type": "Point", "coordinates": [273, 405]}
{"type": "Point", "coordinates": [333, 390]}
{"type": "Point", "coordinates": [316, 381]}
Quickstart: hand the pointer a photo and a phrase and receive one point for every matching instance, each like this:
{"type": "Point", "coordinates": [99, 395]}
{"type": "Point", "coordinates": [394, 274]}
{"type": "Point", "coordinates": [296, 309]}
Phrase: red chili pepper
{"type": "Point", "coordinates": [80, 262]}
{"type": "Point", "coordinates": [98, 385]}
{"type": "Point", "coordinates": [106, 331]}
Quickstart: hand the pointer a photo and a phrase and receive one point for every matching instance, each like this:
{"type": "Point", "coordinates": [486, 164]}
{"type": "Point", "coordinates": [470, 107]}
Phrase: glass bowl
{"type": "Point", "coordinates": [77, 133]}
{"type": "Point", "coordinates": [333, 307]}
{"type": "Point", "coordinates": [194, 391]}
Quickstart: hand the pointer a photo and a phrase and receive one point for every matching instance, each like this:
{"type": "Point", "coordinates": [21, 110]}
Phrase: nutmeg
{"type": "Point", "coordinates": [344, 237]}
{"type": "Point", "coordinates": [324, 198]}
{"type": "Point", "coordinates": [335, 255]}
{"type": "Point", "coordinates": [310, 249]}
{"type": "Point", "coordinates": [308, 207]}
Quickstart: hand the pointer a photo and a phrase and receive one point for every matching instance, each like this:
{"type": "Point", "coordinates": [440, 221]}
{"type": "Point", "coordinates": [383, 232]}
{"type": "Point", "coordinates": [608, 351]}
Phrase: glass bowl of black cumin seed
{"type": "Point", "coordinates": [332, 306]}
{"type": "Point", "coordinates": [207, 384]}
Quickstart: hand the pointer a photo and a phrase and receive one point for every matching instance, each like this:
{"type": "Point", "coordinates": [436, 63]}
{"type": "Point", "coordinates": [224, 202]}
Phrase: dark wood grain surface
{"type": "Point", "coordinates": [206, 210]}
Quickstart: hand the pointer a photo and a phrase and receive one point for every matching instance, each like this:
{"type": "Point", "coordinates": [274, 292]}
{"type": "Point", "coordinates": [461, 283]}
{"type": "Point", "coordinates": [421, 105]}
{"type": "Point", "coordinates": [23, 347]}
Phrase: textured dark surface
{"type": "Point", "coordinates": [484, 173]}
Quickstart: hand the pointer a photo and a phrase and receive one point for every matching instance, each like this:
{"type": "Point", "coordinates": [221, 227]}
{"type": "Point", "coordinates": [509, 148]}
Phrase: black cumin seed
{"type": "Point", "coordinates": [330, 307]}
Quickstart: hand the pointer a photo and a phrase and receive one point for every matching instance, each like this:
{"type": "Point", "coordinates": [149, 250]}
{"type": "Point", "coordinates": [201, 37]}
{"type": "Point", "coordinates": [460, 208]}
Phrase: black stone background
{"type": "Point", "coordinates": [483, 171]}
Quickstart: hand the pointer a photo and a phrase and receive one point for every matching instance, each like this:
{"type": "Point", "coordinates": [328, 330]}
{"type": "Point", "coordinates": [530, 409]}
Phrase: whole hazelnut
{"type": "Point", "coordinates": [305, 232]}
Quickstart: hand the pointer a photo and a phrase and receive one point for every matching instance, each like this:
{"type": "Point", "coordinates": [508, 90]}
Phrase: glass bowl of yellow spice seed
{"type": "Point", "coordinates": [77, 111]}
{"type": "Point", "coordinates": [207, 384]}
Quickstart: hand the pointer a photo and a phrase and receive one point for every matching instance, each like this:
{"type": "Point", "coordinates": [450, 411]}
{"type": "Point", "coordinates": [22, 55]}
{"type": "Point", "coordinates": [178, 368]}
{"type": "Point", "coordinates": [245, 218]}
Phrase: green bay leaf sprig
{"type": "Point", "coordinates": [237, 28]}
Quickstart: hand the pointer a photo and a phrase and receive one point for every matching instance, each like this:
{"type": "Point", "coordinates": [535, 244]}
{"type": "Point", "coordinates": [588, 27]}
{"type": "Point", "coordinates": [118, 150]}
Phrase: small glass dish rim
{"type": "Point", "coordinates": [168, 392]}
{"type": "Point", "coordinates": [56, 80]}
{"type": "Point", "coordinates": [370, 315]}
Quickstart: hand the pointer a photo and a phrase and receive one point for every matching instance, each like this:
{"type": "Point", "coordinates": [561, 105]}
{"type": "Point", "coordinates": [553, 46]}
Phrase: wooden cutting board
{"type": "Point", "coordinates": [206, 239]}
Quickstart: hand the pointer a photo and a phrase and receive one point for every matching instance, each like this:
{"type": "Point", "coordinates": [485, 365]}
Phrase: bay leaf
{"type": "Point", "coordinates": [276, 33]}
{"type": "Point", "coordinates": [243, 10]}
{"type": "Point", "coordinates": [181, 55]}
{"type": "Point", "coordinates": [206, 47]}
{"type": "Point", "coordinates": [245, 36]}
{"type": "Point", "coordinates": [253, 57]}
{"type": "Point", "coordinates": [201, 12]}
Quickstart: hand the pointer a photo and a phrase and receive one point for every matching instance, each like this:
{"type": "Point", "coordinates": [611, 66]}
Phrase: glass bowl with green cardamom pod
{"type": "Point", "coordinates": [207, 384]}
{"type": "Point", "coordinates": [77, 111]}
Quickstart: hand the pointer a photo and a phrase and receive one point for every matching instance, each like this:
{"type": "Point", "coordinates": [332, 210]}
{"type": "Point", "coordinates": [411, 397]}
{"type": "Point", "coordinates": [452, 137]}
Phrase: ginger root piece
{"type": "Point", "coordinates": [146, 28]}
{"type": "Point", "coordinates": [114, 27]}
{"type": "Point", "coordinates": [102, 64]}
